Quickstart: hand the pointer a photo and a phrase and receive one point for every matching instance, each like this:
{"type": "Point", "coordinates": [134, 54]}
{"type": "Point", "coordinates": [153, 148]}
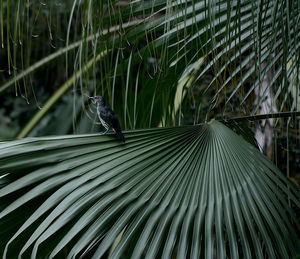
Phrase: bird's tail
{"type": "Point", "coordinates": [121, 136]}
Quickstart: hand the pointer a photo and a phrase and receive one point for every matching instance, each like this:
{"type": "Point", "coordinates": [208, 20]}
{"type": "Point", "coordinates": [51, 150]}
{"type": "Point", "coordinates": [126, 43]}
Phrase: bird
{"type": "Point", "coordinates": [107, 117]}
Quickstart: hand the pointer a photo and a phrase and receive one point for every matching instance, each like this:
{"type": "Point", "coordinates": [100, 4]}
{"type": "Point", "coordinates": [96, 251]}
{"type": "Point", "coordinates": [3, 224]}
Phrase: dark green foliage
{"type": "Point", "coordinates": [183, 191]}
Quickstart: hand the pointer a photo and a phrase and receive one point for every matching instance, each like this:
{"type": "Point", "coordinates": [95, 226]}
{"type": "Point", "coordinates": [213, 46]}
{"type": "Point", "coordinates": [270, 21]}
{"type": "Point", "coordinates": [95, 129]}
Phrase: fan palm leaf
{"type": "Point", "coordinates": [186, 192]}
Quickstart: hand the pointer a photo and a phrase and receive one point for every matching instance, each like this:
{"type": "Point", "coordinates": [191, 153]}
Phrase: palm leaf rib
{"type": "Point", "coordinates": [184, 192]}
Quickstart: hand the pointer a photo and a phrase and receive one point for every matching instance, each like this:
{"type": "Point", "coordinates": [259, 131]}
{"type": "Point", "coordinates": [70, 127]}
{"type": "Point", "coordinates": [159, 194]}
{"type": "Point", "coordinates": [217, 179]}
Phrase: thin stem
{"type": "Point", "coordinates": [36, 118]}
{"type": "Point", "coordinates": [265, 116]}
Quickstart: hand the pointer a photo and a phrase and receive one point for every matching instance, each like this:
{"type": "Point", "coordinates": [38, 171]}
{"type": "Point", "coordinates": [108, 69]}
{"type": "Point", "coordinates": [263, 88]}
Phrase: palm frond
{"type": "Point", "coordinates": [186, 192]}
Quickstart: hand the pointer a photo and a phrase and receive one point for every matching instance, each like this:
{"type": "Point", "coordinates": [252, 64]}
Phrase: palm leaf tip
{"type": "Point", "coordinates": [185, 192]}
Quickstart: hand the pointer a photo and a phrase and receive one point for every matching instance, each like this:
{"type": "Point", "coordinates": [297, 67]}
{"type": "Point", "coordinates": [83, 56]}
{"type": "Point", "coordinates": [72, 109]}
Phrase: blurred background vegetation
{"type": "Point", "coordinates": [158, 63]}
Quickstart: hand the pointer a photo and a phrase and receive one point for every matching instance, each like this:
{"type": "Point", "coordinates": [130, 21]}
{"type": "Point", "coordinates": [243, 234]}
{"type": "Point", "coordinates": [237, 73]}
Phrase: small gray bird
{"type": "Point", "coordinates": [107, 117]}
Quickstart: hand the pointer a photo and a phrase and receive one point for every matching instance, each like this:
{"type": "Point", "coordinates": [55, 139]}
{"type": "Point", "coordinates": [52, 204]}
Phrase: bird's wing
{"type": "Point", "coordinates": [110, 118]}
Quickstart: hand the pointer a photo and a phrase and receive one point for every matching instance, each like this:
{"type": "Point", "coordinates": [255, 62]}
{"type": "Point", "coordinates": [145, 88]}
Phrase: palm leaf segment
{"type": "Point", "coordinates": [189, 192]}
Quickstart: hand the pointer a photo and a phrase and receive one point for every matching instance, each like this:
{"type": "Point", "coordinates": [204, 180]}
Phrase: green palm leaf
{"type": "Point", "coordinates": [185, 192]}
{"type": "Point", "coordinates": [241, 43]}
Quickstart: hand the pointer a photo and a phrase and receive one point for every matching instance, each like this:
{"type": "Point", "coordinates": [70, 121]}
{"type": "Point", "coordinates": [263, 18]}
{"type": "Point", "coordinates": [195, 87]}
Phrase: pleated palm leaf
{"type": "Point", "coordinates": [183, 192]}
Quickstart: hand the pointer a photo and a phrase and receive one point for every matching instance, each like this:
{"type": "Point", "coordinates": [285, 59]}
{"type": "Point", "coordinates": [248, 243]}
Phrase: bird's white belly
{"type": "Point", "coordinates": [104, 124]}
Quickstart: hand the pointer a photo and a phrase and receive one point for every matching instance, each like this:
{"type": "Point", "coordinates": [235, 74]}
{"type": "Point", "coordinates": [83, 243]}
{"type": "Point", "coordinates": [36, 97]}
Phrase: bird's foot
{"type": "Point", "coordinates": [103, 133]}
